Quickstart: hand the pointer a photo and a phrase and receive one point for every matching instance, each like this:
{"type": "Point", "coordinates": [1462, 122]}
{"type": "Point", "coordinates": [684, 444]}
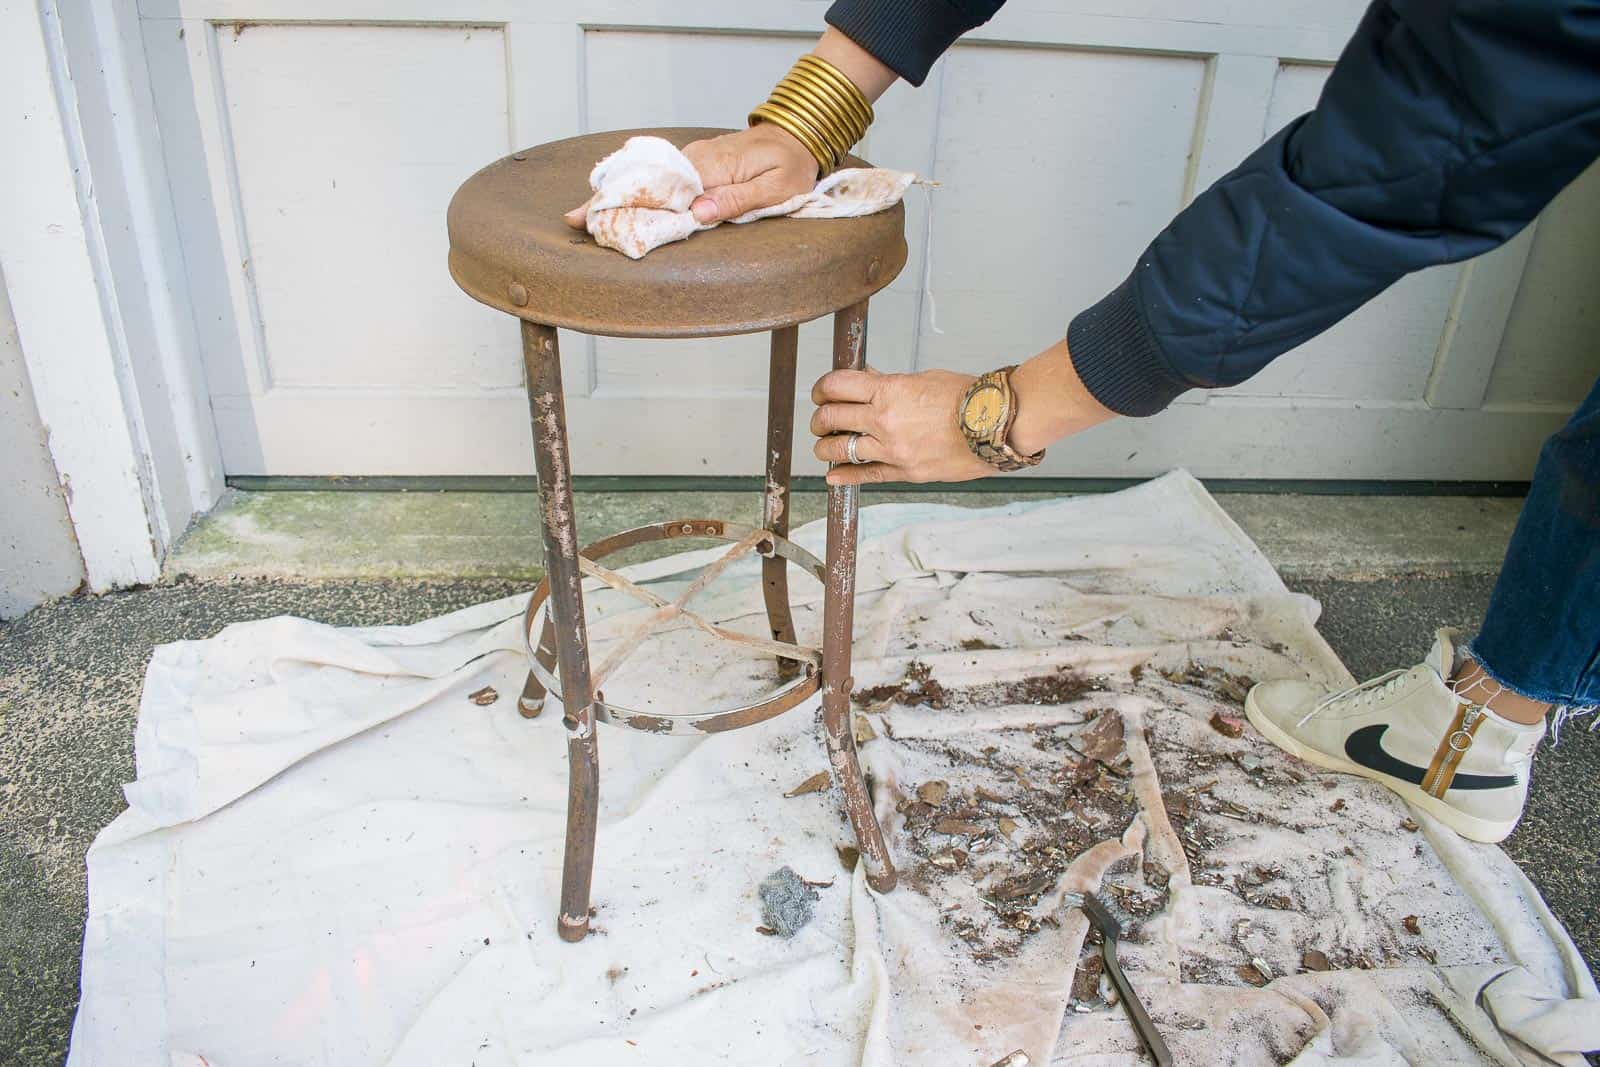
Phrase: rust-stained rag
{"type": "Point", "coordinates": [643, 190]}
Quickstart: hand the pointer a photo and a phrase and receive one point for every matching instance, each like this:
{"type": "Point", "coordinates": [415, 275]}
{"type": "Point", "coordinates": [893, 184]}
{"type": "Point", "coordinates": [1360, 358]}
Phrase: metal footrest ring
{"type": "Point", "coordinates": [542, 653]}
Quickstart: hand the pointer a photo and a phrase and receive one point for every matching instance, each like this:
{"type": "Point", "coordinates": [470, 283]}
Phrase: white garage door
{"type": "Point", "coordinates": [313, 146]}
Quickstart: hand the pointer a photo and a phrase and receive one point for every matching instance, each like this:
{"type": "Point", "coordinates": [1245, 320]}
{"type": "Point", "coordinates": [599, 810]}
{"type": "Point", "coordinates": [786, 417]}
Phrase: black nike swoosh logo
{"type": "Point", "coordinates": [1365, 747]}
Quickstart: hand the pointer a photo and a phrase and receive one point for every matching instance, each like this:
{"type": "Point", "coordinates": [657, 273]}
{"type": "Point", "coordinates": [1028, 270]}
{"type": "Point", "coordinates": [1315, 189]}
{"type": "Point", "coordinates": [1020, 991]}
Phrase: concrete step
{"type": "Point", "coordinates": [453, 534]}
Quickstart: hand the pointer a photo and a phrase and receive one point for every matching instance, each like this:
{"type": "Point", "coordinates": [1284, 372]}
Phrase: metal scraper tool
{"type": "Point", "coordinates": [1110, 930]}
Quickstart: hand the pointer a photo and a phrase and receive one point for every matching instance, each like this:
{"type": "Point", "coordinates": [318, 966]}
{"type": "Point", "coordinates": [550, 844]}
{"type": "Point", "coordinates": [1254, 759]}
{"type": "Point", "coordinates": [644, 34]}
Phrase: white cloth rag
{"type": "Point", "coordinates": [643, 190]}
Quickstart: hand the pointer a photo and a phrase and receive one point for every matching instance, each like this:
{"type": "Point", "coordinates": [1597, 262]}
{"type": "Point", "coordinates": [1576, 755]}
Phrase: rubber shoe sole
{"type": "Point", "coordinates": [1474, 829]}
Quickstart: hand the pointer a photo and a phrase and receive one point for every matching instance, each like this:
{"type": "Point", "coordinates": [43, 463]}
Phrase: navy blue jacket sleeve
{"type": "Point", "coordinates": [907, 36]}
{"type": "Point", "coordinates": [1444, 128]}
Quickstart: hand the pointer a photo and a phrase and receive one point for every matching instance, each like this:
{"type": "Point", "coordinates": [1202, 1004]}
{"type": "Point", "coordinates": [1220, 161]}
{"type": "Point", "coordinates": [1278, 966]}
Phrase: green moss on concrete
{"type": "Point", "coordinates": [496, 535]}
{"type": "Point", "coordinates": [449, 534]}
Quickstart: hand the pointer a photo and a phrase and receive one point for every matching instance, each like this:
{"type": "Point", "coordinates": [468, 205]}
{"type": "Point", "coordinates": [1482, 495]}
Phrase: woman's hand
{"type": "Point", "coordinates": [741, 171]}
{"type": "Point", "coordinates": [749, 169]}
{"type": "Point", "coordinates": [908, 422]}
{"type": "Point", "coordinates": [763, 165]}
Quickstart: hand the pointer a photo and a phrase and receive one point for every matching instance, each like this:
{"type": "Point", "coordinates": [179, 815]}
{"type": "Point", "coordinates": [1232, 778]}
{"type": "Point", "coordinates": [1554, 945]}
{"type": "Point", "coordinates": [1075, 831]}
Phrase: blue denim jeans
{"type": "Point", "coordinates": [1541, 636]}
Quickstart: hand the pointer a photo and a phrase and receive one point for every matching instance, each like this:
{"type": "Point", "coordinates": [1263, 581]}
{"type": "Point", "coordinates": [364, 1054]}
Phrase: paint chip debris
{"type": "Point", "coordinates": [1227, 725]}
{"type": "Point", "coordinates": [815, 784]}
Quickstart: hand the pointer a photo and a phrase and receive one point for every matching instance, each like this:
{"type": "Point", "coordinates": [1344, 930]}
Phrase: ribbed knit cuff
{"type": "Point", "coordinates": [906, 36]}
{"type": "Point", "coordinates": [1117, 357]}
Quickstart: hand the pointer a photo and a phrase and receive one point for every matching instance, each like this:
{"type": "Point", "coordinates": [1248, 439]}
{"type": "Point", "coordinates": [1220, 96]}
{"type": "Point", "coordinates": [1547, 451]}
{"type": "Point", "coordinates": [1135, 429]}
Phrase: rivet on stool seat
{"type": "Point", "coordinates": [511, 249]}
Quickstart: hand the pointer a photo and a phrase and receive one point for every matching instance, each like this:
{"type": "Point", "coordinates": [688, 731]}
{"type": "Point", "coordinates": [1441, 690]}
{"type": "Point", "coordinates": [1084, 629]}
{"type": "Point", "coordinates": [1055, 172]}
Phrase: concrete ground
{"type": "Point", "coordinates": [70, 672]}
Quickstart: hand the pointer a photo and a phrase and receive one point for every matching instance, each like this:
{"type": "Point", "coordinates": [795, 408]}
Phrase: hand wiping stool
{"type": "Point", "coordinates": [643, 190]}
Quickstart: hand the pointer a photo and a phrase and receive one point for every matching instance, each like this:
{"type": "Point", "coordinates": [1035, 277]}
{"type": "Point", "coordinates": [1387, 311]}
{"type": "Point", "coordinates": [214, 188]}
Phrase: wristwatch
{"type": "Point", "coordinates": [985, 418]}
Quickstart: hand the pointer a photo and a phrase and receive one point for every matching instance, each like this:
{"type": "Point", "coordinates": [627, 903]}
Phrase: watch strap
{"type": "Point", "coordinates": [994, 450]}
{"type": "Point", "coordinates": [1003, 457]}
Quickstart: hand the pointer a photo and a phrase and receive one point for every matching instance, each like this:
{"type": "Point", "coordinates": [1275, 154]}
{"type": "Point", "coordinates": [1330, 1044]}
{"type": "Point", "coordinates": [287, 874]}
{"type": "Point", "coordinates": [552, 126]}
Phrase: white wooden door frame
{"type": "Point", "coordinates": [94, 272]}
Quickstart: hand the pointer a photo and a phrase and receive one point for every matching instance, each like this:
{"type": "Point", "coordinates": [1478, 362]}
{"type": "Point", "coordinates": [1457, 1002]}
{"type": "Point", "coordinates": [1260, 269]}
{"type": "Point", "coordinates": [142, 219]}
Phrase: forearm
{"type": "Point", "coordinates": [907, 36]}
{"type": "Point", "coordinates": [1052, 401]}
{"type": "Point", "coordinates": [872, 77]}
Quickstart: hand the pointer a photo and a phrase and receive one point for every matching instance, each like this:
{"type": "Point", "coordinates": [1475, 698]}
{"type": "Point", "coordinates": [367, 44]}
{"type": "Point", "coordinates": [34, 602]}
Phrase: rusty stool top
{"type": "Point", "coordinates": [510, 248]}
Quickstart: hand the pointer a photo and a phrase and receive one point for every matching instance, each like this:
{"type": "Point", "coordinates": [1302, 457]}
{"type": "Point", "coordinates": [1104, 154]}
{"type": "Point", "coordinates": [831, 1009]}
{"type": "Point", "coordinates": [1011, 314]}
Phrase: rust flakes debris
{"type": "Point", "coordinates": [977, 644]}
{"type": "Point", "coordinates": [1103, 742]}
{"type": "Point", "coordinates": [1140, 903]}
{"type": "Point", "coordinates": [1412, 925]}
{"type": "Point", "coordinates": [1410, 826]}
{"type": "Point", "coordinates": [1086, 978]}
{"type": "Point", "coordinates": [849, 856]}
{"type": "Point", "coordinates": [1314, 960]}
{"type": "Point", "coordinates": [1023, 887]}
{"type": "Point", "coordinates": [861, 726]}
{"type": "Point", "coordinates": [1227, 725]}
{"type": "Point", "coordinates": [1225, 684]}
{"type": "Point", "coordinates": [1012, 837]}
{"type": "Point", "coordinates": [1337, 805]}
{"type": "Point", "coordinates": [918, 687]}
{"type": "Point", "coordinates": [915, 809]}
{"type": "Point", "coordinates": [1261, 874]}
{"type": "Point", "coordinates": [815, 784]}
{"type": "Point", "coordinates": [1256, 972]}
{"type": "Point", "coordinates": [484, 697]}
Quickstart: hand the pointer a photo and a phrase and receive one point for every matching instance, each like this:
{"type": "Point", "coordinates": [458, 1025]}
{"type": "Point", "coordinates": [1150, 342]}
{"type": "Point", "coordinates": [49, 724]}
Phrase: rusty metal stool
{"type": "Point", "coordinates": [510, 249]}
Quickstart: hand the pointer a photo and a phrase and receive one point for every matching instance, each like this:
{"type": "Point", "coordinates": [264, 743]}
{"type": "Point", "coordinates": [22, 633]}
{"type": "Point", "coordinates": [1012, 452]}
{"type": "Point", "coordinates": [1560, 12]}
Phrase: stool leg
{"type": "Point", "coordinates": [548, 410]}
{"type": "Point", "coordinates": [838, 615]}
{"type": "Point", "coordinates": [531, 703]}
{"type": "Point", "coordinates": [775, 503]}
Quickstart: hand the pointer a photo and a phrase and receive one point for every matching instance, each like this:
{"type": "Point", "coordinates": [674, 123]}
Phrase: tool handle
{"type": "Point", "coordinates": [1142, 1023]}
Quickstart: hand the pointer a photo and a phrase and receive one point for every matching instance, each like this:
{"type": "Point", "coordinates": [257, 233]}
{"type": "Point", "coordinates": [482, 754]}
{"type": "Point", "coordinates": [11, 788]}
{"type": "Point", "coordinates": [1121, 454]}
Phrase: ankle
{"type": "Point", "coordinates": [1471, 681]}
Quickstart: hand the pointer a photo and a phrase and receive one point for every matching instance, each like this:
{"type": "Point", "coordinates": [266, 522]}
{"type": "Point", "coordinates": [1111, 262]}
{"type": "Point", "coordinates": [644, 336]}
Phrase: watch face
{"type": "Point", "coordinates": [983, 411]}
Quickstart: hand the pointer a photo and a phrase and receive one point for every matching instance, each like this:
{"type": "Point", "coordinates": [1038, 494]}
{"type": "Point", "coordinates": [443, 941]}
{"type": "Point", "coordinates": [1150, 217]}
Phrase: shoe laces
{"type": "Point", "coordinates": [1367, 692]}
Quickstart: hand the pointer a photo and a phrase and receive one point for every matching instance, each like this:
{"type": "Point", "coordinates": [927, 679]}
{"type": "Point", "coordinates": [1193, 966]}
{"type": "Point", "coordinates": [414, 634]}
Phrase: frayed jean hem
{"type": "Point", "coordinates": [1563, 709]}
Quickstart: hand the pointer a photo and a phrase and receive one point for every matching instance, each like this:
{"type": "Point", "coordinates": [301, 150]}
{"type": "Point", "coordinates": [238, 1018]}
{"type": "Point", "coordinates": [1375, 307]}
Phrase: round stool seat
{"type": "Point", "coordinates": [511, 249]}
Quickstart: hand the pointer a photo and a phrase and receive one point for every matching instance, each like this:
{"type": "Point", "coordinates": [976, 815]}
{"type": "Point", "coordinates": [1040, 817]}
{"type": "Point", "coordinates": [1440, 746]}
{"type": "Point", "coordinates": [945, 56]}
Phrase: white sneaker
{"type": "Point", "coordinates": [1454, 759]}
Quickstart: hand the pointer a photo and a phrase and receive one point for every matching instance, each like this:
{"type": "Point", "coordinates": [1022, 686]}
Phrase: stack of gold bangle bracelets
{"type": "Point", "coordinates": [822, 109]}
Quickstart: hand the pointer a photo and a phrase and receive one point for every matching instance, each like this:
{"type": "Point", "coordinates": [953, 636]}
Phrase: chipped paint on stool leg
{"type": "Point", "coordinates": [838, 611]}
{"type": "Point", "coordinates": [547, 411]}
{"type": "Point", "coordinates": [775, 503]}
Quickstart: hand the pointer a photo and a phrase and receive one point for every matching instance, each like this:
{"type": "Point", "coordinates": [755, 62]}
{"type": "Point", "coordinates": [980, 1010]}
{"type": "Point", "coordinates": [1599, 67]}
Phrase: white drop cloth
{"type": "Point", "coordinates": [333, 857]}
{"type": "Point", "coordinates": [643, 190]}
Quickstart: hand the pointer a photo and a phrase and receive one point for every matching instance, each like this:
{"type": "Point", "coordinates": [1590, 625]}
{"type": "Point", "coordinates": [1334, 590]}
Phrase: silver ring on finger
{"type": "Point", "coordinates": [850, 448]}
